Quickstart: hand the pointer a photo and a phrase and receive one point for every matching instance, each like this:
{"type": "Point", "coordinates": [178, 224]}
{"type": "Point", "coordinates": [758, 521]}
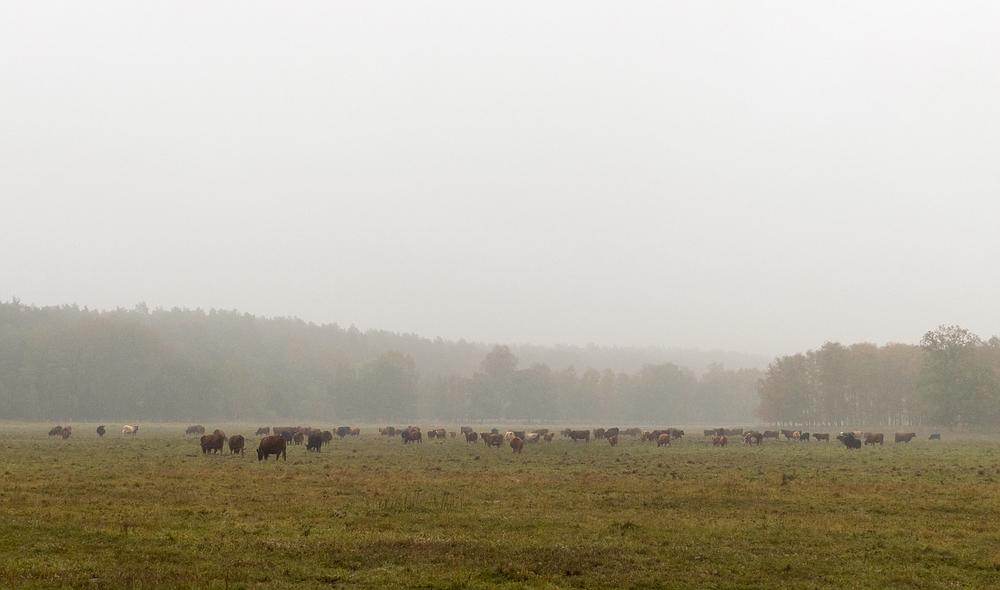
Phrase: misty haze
{"type": "Point", "coordinates": [503, 295]}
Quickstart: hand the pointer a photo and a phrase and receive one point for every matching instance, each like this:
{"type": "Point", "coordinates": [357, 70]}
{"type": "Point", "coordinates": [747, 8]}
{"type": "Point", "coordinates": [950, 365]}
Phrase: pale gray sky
{"type": "Point", "coordinates": [750, 176]}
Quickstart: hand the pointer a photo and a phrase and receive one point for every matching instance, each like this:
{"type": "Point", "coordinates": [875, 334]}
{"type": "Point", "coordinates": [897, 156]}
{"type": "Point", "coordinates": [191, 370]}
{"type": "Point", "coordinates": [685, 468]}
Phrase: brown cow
{"type": "Point", "coordinates": [753, 437]}
{"type": "Point", "coordinates": [598, 433]}
{"type": "Point", "coordinates": [453, 434]}
{"type": "Point", "coordinates": [580, 434]}
{"type": "Point", "coordinates": [272, 445]}
{"type": "Point", "coordinates": [772, 434]}
{"type": "Point", "coordinates": [471, 437]}
{"type": "Point", "coordinates": [541, 431]}
{"type": "Point", "coordinates": [720, 441]}
{"type": "Point", "coordinates": [431, 434]}
{"type": "Point", "coordinates": [442, 433]}
{"type": "Point", "coordinates": [633, 432]}
{"type": "Point", "coordinates": [663, 439]}
{"type": "Point", "coordinates": [327, 436]}
{"type": "Point", "coordinates": [356, 432]}
{"type": "Point", "coordinates": [220, 433]}
{"type": "Point", "coordinates": [297, 438]}
{"type": "Point", "coordinates": [905, 436]}
{"type": "Point", "coordinates": [821, 436]}
{"type": "Point", "coordinates": [236, 443]}
{"type": "Point", "coordinates": [56, 431]}
{"type": "Point", "coordinates": [613, 440]}
{"type": "Point", "coordinates": [465, 429]}
{"type": "Point", "coordinates": [675, 433]}
{"type": "Point", "coordinates": [66, 432]}
{"type": "Point", "coordinates": [196, 429]}
{"type": "Point", "coordinates": [495, 440]}
{"type": "Point", "coordinates": [517, 444]}
{"type": "Point", "coordinates": [211, 442]}
{"type": "Point", "coordinates": [265, 430]}
{"type": "Point", "coordinates": [549, 436]}
{"type": "Point", "coordinates": [874, 437]}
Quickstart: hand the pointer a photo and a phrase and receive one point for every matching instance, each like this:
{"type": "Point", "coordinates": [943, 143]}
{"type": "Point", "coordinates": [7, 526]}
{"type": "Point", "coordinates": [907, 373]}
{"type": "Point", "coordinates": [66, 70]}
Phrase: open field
{"type": "Point", "coordinates": [152, 511]}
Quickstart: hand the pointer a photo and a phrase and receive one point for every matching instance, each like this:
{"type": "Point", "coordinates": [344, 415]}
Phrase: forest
{"type": "Point", "coordinates": [70, 364]}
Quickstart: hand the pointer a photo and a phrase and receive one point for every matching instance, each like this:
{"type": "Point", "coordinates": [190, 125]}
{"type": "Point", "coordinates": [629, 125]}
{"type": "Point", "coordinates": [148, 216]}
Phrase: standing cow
{"type": "Point", "coordinates": [315, 442]}
{"type": "Point", "coordinates": [272, 445]}
{"type": "Point", "coordinates": [100, 430]}
{"type": "Point", "coordinates": [236, 443]}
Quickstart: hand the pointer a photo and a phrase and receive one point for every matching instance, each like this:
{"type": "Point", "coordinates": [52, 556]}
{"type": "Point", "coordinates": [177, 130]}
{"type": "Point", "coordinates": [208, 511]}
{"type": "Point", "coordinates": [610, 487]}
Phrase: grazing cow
{"type": "Point", "coordinates": [517, 444]}
{"type": "Point", "coordinates": [612, 440]}
{"type": "Point", "coordinates": [315, 442]}
{"type": "Point", "coordinates": [56, 431]}
{"type": "Point", "coordinates": [343, 431]}
{"type": "Point", "coordinates": [549, 436]}
{"type": "Point", "coordinates": [196, 429]}
{"type": "Point", "coordinates": [66, 432]}
{"type": "Point", "coordinates": [935, 436]}
{"type": "Point", "coordinates": [753, 437]}
{"type": "Point", "coordinates": [265, 430]}
{"type": "Point", "coordinates": [874, 437]}
{"type": "Point", "coordinates": [598, 433]}
{"type": "Point", "coordinates": [821, 436]}
{"type": "Point", "coordinates": [850, 441]}
{"type": "Point", "coordinates": [772, 434]}
{"type": "Point", "coordinates": [720, 441]}
{"type": "Point", "coordinates": [211, 442]}
{"type": "Point", "coordinates": [612, 432]}
{"type": "Point", "coordinates": [130, 429]}
{"type": "Point", "coordinates": [663, 439]}
{"type": "Point", "coordinates": [100, 430]}
{"type": "Point", "coordinates": [905, 437]}
{"type": "Point", "coordinates": [272, 445]}
{"type": "Point", "coordinates": [580, 434]}
{"type": "Point", "coordinates": [236, 443]}
{"type": "Point", "coordinates": [471, 437]}
{"type": "Point", "coordinates": [327, 436]}
{"type": "Point", "coordinates": [494, 440]}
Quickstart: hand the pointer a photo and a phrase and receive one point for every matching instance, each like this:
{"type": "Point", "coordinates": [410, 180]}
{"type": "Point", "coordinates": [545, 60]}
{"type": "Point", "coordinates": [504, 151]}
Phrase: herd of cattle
{"type": "Point", "coordinates": [276, 438]}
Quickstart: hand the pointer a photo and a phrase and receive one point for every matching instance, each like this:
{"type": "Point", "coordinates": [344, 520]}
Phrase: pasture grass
{"type": "Point", "coordinates": [151, 511]}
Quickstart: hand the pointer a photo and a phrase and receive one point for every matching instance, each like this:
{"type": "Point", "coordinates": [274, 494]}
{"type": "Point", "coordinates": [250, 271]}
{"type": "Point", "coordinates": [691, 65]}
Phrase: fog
{"type": "Point", "coordinates": [758, 177]}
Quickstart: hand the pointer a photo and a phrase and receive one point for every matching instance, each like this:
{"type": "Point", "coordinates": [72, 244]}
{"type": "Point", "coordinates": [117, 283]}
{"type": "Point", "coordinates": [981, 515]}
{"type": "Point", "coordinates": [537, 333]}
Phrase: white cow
{"type": "Point", "coordinates": [130, 429]}
{"type": "Point", "coordinates": [509, 436]}
{"type": "Point", "coordinates": [531, 437]}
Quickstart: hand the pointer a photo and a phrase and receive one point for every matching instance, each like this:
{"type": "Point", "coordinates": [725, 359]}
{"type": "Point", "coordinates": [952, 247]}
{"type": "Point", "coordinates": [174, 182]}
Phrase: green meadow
{"type": "Point", "coordinates": [152, 511]}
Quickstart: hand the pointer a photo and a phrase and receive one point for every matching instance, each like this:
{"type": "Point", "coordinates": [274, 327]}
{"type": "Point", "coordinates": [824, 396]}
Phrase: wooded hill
{"type": "Point", "coordinates": [70, 364]}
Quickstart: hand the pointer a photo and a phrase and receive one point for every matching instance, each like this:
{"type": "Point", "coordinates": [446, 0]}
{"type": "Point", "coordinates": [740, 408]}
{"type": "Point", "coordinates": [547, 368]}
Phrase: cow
{"type": "Point", "coordinates": [219, 432]}
{"type": "Point", "coordinates": [265, 430]}
{"type": "Point", "coordinates": [598, 433]}
{"type": "Point", "coordinates": [612, 432]}
{"type": "Point", "coordinates": [55, 431]}
{"type": "Point", "coordinates": [580, 434]}
{"type": "Point", "coordinates": [327, 436]}
{"type": "Point", "coordinates": [531, 437]}
{"type": "Point", "coordinates": [130, 429]}
{"type": "Point", "coordinates": [567, 432]}
{"type": "Point", "coordinates": [646, 436]}
{"type": "Point", "coordinates": [772, 434]}
{"type": "Point", "coordinates": [211, 442]}
{"type": "Point", "coordinates": [509, 435]}
{"type": "Point", "coordinates": [612, 440]}
{"type": "Point", "coordinates": [297, 438]}
{"type": "Point", "coordinates": [236, 443]}
{"type": "Point", "coordinates": [720, 441]}
{"type": "Point", "coordinates": [788, 434]}
{"type": "Point", "coordinates": [453, 435]}
{"type": "Point", "coordinates": [633, 432]}
{"type": "Point", "coordinates": [315, 442]}
{"type": "Point", "coordinates": [272, 445]}
{"type": "Point", "coordinates": [432, 434]}
{"type": "Point", "coordinates": [935, 436]}
{"type": "Point", "coordinates": [343, 431]}
{"type": "Point", "coordinates": [67, 431]}
{"type": "Point", "coordinates": [517, 444]}
{"type": "Point", "coordinates": [804, 437]}
{"type": "Point", "coordinates": [663, 439]}
{"type": "Point", "coordinates": [549, 436]}
{"type": "Point", "coordinates": [196, 429]}
{"type": "Point", "coordinates": [465, 429]}
{"type": "Point", "coordinates": [714, 432]}
{"type": "Point", "coordinates": [541, 431]}
{"type": "Point", "coordinates": [753, 437]}
{"type": "Point", "coordinates": [875, 437]}
{"type": "Point", "coordinates": [850, 441]}
{"type": "Point", "coordinates": [441, 433]}
{"type": "Point", "coordinates": [818, 436]}
{"type": "Point", "coordinates": [412, 434]}
{"type": "Point", "coordinates": [356, 432]}
{"type": "Point", "coordinates": [100, 430]}
{"type": "Point", "coordinates": [484, 436]}
{"type": "Point", "coordinates": [905, 437]}
{"type": "Point", "coordinates": [675, 433]}
{"type": "Point", "coordinates": [471, 437]}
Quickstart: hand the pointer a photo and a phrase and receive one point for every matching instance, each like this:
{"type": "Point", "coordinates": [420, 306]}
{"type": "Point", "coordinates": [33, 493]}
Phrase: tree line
{"type": "Point", "coordinates": [951, 379]}
{"type": "Point", "coordinates": [69, 364]}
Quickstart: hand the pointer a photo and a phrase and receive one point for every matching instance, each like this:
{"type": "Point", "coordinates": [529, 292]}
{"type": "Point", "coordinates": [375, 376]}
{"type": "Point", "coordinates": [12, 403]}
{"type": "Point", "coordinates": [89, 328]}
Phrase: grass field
{"type": "Point", "coordinates": [152, 511]}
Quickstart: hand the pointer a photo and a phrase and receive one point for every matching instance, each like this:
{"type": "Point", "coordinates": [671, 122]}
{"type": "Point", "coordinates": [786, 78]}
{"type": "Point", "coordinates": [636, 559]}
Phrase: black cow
{"type": "Point", "coordinates": [315, 442]}
{"type": "Point", "coordinates": [343, 431]}
{"type": "Point", "coordinates": [100, 430]}
{"type": "Point", "coordinates": [850, 441]}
